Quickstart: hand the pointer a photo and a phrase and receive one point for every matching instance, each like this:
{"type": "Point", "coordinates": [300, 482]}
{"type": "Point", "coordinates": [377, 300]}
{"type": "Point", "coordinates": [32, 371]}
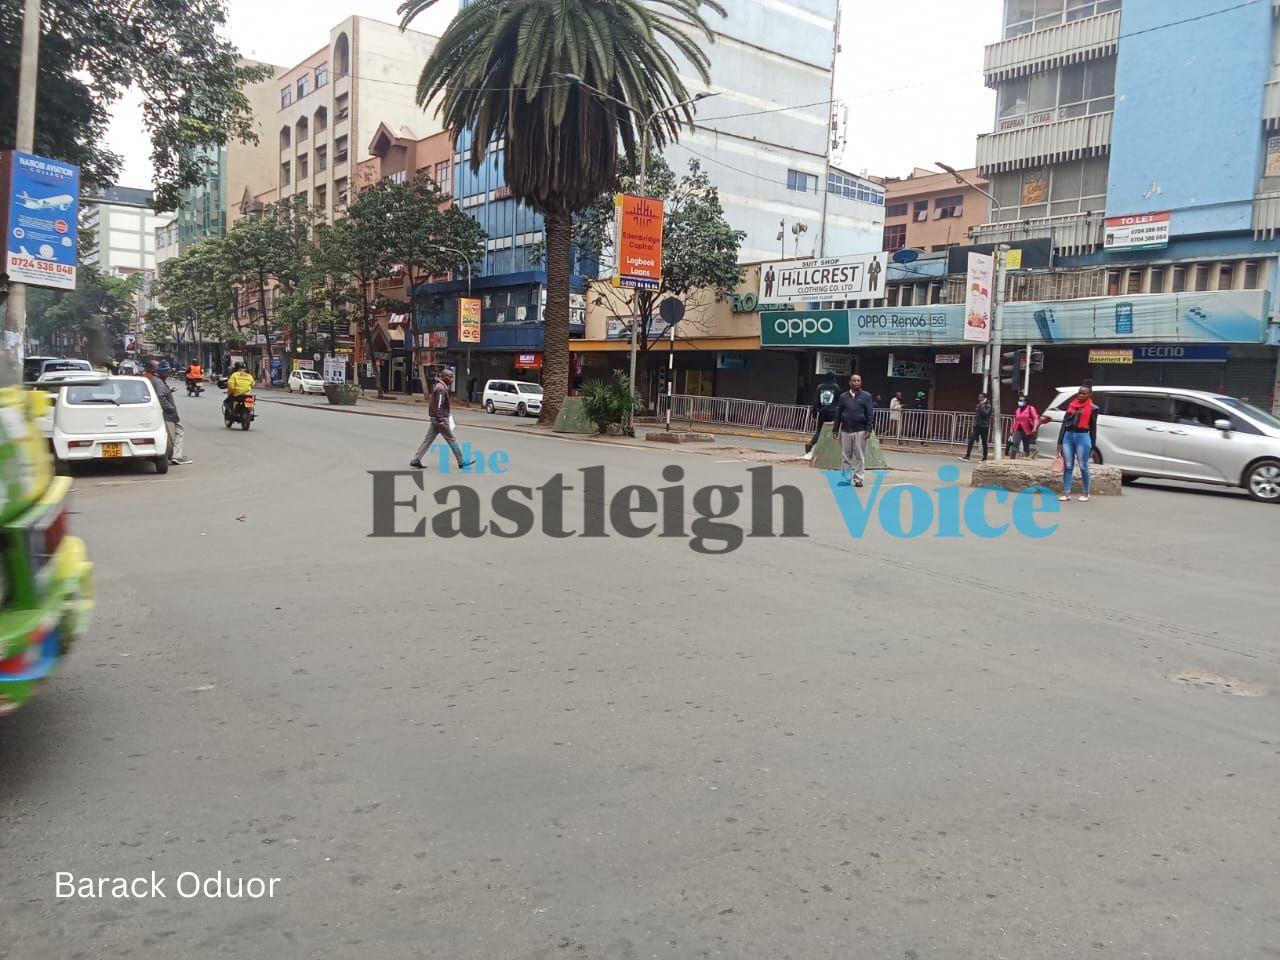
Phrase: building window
{"type": "Point", "coordinates": [321, 120]}
{"type": "Point", "coordinates": [920, 211]}
{"type": "Point", "coordinates": [895, 236]}
{"type": "Point", "coordinates": [895, 210]}
{"type": "Point", "coordinates": [1024, 16]}
{"type": "Point", "coordinates": [322, 197]}
{"type": "Point", "coordinates": [854, 188]}
{"type": "Point", "coordinates": [443, 177]}
{"type": "Point", "coordinates": [342, 56]}
{"type": "Point", "coordinates": [284, 173]}
{"type": "Point", "coordinates": [1156, 282]}
{"type": "Point", "coordinates": [397, 176]}
{"type": "Point", "coordinates": [1179, 280]}
{"type": "Point", "coordinates": [286, 138]}
{"type": "Point", "coordinates": [1079, 186]}
{"type": "Point", "coordinates": [301, 130]}
{"type": "Point", "coordinates": [1113, 283]}
{"type": "Point", "coordinates": [322, 75]}
{"type": "Point", "coordinates": [1251, 275]}
{"type": "Point", "coordinates": [1133, 283]}
{"type": "Point", "coordinates": [340, 151]}
{"type": "Point", "coordinates": [1073, 91]}
{"type": "Point", "coordinates": [1226, 276]}
{"type": "Point", "coordinates": [340, 191]}
{"type": "Point", "coordinates": [304, 85]}
{"type": "Point", "coordinates": [802, 182]}
{"type": "Point", "coordinates": [286, 97]}
{"type": "Point", "coordinates": [322, 159]}
{"type": "Point", "coordinates": [302, 166]}
{"type": "Point", "coordinates": [944, 207]}
{"type": "Point", "coordinates": [1202, 277]}
{"type": "Point", "coordinates": [341, 109]}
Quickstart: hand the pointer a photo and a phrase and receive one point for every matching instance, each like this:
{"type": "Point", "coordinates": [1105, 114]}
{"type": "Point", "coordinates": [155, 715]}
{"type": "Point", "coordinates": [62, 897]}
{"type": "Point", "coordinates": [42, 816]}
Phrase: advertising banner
{"type": "Point", "coordinates": [1111, 355]}
{"type": "Point", "coordinates": [835, 278]}
{"type": "Point", "coordinates": [469, 319]}
{"type": "Point", "coordinates": [1148, 231]}
{"type": "Point", "coordinates": [638, 242]}
{"type": "Point", "coordinates": [977, 298]}
{"type": "Point", "coordinates": [43, 211]}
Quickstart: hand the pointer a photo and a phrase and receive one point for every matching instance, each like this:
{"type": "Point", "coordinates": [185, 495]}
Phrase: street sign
{"type": "Point", "coordinates": [42, 207]}
{"type": "Point", "coordinates": [671, 311]}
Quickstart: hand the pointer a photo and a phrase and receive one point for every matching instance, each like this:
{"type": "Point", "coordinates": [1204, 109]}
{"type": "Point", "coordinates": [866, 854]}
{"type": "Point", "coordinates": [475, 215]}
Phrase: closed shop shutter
{"type": "Point", "coordinates": [1191, 376]}
{"type": "Point", "coordinates": [1254, 379]}
{"type": "Point", "coordinates": [1127, 374]}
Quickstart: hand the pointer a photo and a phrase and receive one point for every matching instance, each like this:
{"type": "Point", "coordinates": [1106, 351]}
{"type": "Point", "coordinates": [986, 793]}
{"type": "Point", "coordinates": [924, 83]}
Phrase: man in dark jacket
{"type": "Point", "coordinates": [158, 374]}
{"type": "Point", "coordinates": [855, 419]}
{"type": "Point", "coordinates": [824, 408]}
{"type": "Point", "coordinates": [981, 426]}
{"type": "Point", "coordinates": [441, 423]}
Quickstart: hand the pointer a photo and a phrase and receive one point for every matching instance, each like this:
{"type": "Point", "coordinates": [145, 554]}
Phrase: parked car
{"type": "Point", "coordinates": [306, 381]}
{"type": "Point", "coordinates": [33, 368]}
{"type": "Point", "coordinates": [1175, 434]}
{"type": "Point", "coordinates": [109, 419]}
{"type": "Point", "coordinates": [47, 599]}
{"type": "Point", "coordinates": [52, 383]}
{"type": "Point", "coordinates": [516, 396]}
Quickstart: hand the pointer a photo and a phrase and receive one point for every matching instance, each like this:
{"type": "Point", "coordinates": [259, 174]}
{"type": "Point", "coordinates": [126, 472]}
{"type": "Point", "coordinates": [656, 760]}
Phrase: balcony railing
{"type": "Point", "coordinates": [1056, 142]}
{"type": "Point", "coordinates": [1042, 50]}
{"type": "Point", "coordinates": [1073, 235]}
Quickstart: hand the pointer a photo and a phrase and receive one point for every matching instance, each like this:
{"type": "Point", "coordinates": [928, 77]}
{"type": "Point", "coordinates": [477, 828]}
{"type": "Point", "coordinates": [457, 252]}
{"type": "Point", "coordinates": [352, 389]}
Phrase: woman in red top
{"type": "Point", "coordinates": [1026, 422]}
{"type": "Point", "coordinates": [1077, 439]}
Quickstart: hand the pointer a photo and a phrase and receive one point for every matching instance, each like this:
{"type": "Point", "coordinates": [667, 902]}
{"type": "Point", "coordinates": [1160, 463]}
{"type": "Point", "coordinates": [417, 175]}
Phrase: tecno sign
{"type": "Point", "coordinates": [805, 328]}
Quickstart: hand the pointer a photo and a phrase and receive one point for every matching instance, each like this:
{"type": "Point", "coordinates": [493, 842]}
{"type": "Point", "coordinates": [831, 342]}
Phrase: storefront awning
{"type": "Point", "coordinates": [663, 345]}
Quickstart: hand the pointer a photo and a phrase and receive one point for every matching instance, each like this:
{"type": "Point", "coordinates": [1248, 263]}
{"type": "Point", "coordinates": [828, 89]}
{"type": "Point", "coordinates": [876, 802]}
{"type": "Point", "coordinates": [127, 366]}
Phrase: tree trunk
{"type": "Point", "coordinates": [266, 326]}
{"type": "Point", "coordinates": [555, 356]}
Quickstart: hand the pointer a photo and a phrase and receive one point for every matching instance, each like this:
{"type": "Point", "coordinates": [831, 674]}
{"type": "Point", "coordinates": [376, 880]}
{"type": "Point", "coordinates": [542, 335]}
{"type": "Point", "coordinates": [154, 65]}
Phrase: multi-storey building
{"type": "Point", "coordinates": [331, 104]}
{"type": "Point", "coordinates": [122, 228]}
{"type": "Point", "coordinates": [931, 211]}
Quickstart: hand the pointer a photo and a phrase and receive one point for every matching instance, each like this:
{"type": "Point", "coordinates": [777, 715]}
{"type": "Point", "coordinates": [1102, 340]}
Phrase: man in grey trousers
{"type": "Point", "coordinates": [855, 419]}
{"type": "Point", "coordinates": [441, 423]}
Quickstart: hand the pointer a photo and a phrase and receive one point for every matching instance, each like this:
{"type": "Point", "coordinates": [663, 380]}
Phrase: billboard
{"type": "Point", "coordinates": [469, 319]}
{"type": "Point", "coordinates": [835, 278]}
{"type": "Point", "coordinates": [977, 298]}
{"type": "Point", "coordinates": [42, 206]}
{"type": "Point", "coordinates": [1148, 231]}
{"type": "Point", "coordinates": [1030, 254]}
{"type": "Point", "coordinates": [638, 241]}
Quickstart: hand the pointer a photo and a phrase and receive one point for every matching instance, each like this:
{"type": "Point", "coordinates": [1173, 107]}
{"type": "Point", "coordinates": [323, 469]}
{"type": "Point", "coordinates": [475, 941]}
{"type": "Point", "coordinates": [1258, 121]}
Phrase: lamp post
{"type": "Point", "coordinates": [466, 262]}
{"type": "Point", "coordinates": [960, 179]}
{"type": "Point", "coordinates": [15, 320]}
{"type": "Point", "coordinates": [646, 122]}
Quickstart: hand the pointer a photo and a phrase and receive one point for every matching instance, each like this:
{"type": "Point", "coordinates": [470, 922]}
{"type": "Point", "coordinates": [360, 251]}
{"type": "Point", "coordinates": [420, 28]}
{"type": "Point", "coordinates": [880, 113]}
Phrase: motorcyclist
{"type": "Point", "coordinates": [195, 374]}
{"type": "Point", "coordinates": [239, 384]}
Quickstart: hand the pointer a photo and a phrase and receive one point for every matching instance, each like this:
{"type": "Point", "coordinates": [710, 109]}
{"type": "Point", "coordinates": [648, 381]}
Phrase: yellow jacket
{"type": "Point", "coordinates": [239, 383]}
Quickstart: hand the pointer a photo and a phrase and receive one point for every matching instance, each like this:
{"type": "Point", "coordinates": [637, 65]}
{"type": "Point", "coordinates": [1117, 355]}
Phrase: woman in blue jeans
{"type": "Point", "coordinates": [1077, 439]}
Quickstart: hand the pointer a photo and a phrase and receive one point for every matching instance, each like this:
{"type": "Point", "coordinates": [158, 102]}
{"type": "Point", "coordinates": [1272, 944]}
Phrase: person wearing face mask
{"type": "Point", "coordinates": [1078, 437]}
{"type": "Point", "coordinates": [1026, 423]}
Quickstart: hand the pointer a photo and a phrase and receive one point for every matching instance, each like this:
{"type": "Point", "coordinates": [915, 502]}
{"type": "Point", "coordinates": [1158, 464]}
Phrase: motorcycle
{"type": "Point", "coordinates": [239, 410]}
{"type": "Point", "coordinates": [195, 387]}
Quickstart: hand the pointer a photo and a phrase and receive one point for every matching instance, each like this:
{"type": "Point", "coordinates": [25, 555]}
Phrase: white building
{"type": "Point", "coordinates": [767, 136]}
{"type": "Point", "coordinates": [123, 227]}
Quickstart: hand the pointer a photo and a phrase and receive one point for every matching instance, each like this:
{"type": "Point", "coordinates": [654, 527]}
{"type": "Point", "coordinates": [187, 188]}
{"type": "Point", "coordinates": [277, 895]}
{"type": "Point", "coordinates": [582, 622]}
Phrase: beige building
{"type": "Point", "coordinates": [329, 107]}
{"type": "Point", "coordinates": [930, 211]}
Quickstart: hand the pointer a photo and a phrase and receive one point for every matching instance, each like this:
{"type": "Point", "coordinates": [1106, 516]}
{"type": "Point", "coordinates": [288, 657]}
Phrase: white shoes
{"type": "Point", "coordinates": [808, 456]}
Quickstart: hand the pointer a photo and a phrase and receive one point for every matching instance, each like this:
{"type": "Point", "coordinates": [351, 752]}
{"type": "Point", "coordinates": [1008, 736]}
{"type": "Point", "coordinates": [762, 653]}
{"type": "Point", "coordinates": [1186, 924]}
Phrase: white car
{"type": "Point", "coordinates": [1170, 433]}
{"type": "Point", "coordinates": [109, 418]}
{"type": "Point", "coordinates": [51, 383]}
{"type": "Point", "coordinates": [306, 381]}
{"type": "Point", "coordinates": [514, 396]}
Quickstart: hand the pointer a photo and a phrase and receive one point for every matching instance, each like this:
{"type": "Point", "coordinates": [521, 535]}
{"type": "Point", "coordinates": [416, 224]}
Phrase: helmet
{"type": "Point", "coordinates": [238, 366]}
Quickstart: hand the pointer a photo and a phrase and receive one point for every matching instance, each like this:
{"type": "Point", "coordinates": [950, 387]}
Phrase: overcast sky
{"type": "Point", "coordinates": [910, 74]}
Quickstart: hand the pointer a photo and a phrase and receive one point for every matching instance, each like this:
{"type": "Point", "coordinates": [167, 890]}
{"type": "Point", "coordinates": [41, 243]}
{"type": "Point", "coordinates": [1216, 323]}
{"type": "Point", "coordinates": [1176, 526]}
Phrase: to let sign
{"type": "Point", "coordinates": [1148, 231]}
{"type": "Point", "coordinates": [638, 222]}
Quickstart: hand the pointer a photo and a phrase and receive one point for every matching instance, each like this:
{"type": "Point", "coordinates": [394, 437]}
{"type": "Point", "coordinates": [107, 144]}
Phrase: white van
{"type": "Point", "coordinates": [520, 397]}
{"type": "Point", "coordinates": [110, 418]}
{"type": "Point", "coordinates": [1175, 434]}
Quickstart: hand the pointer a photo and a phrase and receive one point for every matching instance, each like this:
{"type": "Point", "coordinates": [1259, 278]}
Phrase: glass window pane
{"type": "Point", "coordinates": [1015, 11]}
{"type": "Point", "coordinates": [1013, 98]}
{"type": "Point", "coordinates": [1100, 78]}
{"type": "Point", "coordinates": [1075, 110]}
{"type": "Point", "coordinates": [1035, 186]}
{"type": "Point", "coordinates": [1045, 8]}
{"type": "Point", "coordinates": [1031, 213]}
{"type": "Point", "coordinates": [1007, 189]}
{"type": "Point", "coordinates": [1066, 181]}
{"type": "Point", "coordinates": [1061, 208]}
{"type": "Point", "coordinates": [1103, 105]}
{"type": "Point", "coordinates": [1043, 92]}
{"type": "Point", "coordinates": [1095, 177]}
{"type": "Point", "coordinates": [1072, 84]}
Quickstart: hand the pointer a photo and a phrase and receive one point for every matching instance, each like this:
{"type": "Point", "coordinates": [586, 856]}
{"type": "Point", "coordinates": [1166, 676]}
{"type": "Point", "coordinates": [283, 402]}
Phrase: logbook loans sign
{"type": "Point", "coordinates": [638, 221]}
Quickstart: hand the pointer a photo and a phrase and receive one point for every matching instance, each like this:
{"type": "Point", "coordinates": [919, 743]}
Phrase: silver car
{"type": "Point", "coordinates": [1176, 434]}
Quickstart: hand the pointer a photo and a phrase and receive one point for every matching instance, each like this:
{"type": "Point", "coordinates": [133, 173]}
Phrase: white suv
{"type": "Point", "coordinates": [1175, 434]}
{"type": "Point", "coordinates": [516, 396]}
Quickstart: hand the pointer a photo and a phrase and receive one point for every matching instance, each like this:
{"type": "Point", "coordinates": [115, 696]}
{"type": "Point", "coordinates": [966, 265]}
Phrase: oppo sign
{"type": "Point", "coordinates": [805, 328]}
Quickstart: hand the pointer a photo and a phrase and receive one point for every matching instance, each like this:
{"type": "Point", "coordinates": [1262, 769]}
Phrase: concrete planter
{"type": "Point", "coordinates": [341, 394]}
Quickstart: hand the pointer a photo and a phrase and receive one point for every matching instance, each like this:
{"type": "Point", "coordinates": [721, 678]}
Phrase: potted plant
{"type": "Point", "coordinates": [610, 406]}
{"type": "Point", "coordinates": [341, 394]}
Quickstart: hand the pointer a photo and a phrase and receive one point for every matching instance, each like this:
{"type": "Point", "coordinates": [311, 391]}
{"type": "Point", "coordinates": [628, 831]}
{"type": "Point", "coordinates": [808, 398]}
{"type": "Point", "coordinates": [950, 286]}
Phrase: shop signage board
{"type": "Point", "coordinates": [41, 215]}
{"type": "Point", "coordinates": [638, 242]}
{"type": "Point", "coordinates": [859, 277]}
{"type": "Point", "coordinates": [909, 368]}
{"type": "Point", "coordinates": [841, 364]}
{"type": "Point", "coordinates": [1146, 231]}
{"type": "Point", "coordinates": [1111, 355]}
{"type": "Point", "coordinates": [943, 359]}
{"type": "Point", "coordinates": [1221, 316]}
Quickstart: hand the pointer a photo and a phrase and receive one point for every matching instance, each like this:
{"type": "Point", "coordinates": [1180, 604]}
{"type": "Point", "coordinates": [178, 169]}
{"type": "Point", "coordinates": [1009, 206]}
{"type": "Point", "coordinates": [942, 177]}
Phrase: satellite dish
{"type": "Point", "coordinates": [906, 255]}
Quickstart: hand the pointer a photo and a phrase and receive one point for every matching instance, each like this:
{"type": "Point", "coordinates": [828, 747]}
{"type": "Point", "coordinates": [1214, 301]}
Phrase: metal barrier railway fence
{"type": "Point", "coordinates": [922, 426]}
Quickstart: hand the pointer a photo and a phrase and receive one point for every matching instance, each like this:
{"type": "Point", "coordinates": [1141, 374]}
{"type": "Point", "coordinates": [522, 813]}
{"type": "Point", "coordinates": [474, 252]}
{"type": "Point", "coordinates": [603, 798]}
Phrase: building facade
{"type": "Point", "coordinates": [932, 211]}
{"type": "Point", "coordinates": [123, 228]}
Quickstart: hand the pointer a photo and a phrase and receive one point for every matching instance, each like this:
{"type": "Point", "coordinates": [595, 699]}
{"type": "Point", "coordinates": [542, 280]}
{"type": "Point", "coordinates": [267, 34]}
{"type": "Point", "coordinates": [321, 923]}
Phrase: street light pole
{"type": "Point", "coordinates": [997, 328]}
{"type": "Point", "coordinates": [15, 319]}
{"type": "Point", "coordinates": [467, 264]}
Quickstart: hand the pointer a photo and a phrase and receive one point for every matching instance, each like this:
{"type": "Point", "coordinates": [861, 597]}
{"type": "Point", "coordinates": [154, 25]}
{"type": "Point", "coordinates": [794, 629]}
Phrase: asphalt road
{"type": "Point", "coordinates": [622, 748]}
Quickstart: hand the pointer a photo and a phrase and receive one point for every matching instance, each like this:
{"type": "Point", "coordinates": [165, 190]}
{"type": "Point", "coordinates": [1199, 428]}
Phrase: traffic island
{"type": "Point", "coordinates": [678, 436]}
{"type": "Point", "coordinates": [1017, 475]}
{"type": "Point", "coordinates": [573, 418]}
{"type": "Point", "coordinates": [826, 455]}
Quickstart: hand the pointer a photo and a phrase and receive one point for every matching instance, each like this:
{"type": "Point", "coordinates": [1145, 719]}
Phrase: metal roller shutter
{"type": "Point", "coordinates": [1192, 376]}
{"type": "Point", "coordinates": [1254, 379]}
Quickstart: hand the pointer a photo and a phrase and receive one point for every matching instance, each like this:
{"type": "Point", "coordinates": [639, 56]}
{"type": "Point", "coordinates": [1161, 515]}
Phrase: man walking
{"type": "Point", "coordinates": [855, 419]}
{"type": "Point", "coordinates": [158, 374]}
{"type": "Point", "coordinates": [441, 423]}
{"type": "Point", "coordinates": [824, 408]}
{"type": "Point", "coordinates": [981, 427]}
{"type": "Point", "coordinates": [895, 416]}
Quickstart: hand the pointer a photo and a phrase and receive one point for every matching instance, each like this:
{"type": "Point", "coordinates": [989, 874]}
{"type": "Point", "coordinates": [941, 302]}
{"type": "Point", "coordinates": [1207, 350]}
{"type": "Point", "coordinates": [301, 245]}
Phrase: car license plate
{"type": "Point", "coordinates": [112, 450]}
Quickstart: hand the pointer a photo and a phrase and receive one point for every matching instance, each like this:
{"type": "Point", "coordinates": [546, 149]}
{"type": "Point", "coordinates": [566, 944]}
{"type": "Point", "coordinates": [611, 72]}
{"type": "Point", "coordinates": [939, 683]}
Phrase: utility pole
{"type": "Point", "coordinates": [997, 320]}
{"type": "Point", "coordinates": [640, 185]}
{"type": "Point", "coordinates": [15, 319]}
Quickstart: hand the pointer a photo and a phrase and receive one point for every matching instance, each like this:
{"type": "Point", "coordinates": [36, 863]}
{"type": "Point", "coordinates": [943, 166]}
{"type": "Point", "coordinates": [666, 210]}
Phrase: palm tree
{"type": "Point", "coordinates": [509, 69]}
